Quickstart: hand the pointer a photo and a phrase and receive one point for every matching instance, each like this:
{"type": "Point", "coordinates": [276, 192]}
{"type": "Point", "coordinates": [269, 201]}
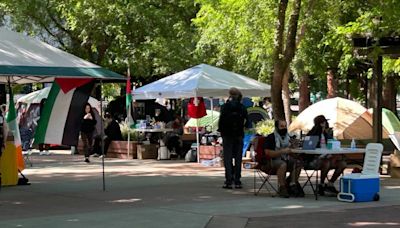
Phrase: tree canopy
{"type": "Point", "coordinates": [157, 38]}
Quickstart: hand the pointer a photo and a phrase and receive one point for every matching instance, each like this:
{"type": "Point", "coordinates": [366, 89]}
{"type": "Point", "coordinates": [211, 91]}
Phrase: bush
{"type": "Point", "coordinates": [134, 136]}
{"type": "Point", "coordinates": [265, 127]}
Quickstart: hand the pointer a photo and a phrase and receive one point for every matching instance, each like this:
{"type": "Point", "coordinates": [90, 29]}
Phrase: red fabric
{"type": "Point", "coordinates": [128, 86]}
{"type": "Point", "coordinates": [196, 111]}
{"type": "Point", "coordinates": [66, 84]}
{"type": "Point", "coordinates": [260, 154]}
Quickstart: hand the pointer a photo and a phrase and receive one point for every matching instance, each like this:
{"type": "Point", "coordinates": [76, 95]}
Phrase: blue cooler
{"type": "Point", "coordinates": [357, 187]}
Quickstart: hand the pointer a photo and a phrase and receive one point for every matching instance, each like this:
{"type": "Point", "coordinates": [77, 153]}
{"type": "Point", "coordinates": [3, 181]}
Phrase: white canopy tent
{"type": "Point", "coordinates": [201, 81]}
{"type": "Point", "coordinates": [24, 59]}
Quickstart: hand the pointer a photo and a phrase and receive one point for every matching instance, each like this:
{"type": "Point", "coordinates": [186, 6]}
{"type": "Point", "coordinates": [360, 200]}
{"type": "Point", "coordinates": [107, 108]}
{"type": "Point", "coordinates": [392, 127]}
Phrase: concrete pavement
{"type": "Point", "coordinates": [67, 192]}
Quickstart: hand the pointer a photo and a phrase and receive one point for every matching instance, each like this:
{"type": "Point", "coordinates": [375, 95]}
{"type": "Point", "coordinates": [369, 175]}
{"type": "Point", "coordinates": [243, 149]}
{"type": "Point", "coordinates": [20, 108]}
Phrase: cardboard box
{"type": "Point", "coordinates": [147, 151]}
{"type": "Point", "coordinates": [209, 152]}
{"type": "Point", "coordinates": [188, 137]}
{"type": "Point", "coordinates": [395, 160]}
{"type": "Point", "coordinates": [395, 172]}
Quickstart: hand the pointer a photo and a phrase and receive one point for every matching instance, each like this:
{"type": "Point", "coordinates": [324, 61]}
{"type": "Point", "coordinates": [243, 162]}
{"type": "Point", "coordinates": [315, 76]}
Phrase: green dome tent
{"type": "Point", "coordinates": [389, 120]}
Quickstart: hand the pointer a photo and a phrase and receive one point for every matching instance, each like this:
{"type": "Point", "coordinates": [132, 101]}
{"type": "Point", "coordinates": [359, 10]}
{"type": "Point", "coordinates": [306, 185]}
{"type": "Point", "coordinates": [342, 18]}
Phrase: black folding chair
{"type": "Point", "coordinates": [310, 172]}
{"type": "Point", "coordinates": [261, 175]}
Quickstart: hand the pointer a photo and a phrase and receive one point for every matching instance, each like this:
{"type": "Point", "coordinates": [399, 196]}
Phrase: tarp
{"type": "Point", "coordinates": [24, 59]}
{"type": "Point", "coordinates": [349, 119]}
{"type": "Point", "coordinates": [202, 81]}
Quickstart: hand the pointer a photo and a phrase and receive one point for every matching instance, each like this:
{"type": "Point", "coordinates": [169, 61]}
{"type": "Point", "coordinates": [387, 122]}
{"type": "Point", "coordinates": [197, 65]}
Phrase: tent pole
{"type": "Point", "coordinates": [212, 114]}
{"type": "Point", "coordinates": [128, 112]}
{"type": "Point", "coordinates": [102, 134]}
{"type": "Point", "coordinates": [129, 127]}
{"type": "Point", "coordinates": [198, 140]}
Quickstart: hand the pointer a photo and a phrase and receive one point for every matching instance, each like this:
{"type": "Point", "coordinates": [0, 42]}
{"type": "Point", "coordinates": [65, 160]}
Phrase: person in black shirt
{"type": "Point", "coordinates": [87, 130]}
{"type": "Point", "coordinates": [231, 125]}
{"type": "Point", "coordinates": [277, 148]}
{"type": "Point", "coordinates": [112, 132]}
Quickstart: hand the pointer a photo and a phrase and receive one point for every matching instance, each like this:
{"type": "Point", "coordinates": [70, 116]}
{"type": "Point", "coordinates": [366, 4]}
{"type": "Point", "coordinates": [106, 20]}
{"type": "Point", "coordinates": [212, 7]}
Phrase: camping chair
{"type": "Point", "coordinates": [26, 141]}
{"type": "Point", "coordinates": [260, 173]}
{"type": "Point", "coordinates": [310, 172]}
{"type": "Point", "coordinates": [350, 183]}
{"type": "Point", "coordinates": [27, 157]}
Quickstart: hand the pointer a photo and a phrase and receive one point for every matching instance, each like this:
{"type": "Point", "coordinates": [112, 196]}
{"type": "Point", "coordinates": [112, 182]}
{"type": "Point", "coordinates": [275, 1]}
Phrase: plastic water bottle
{"type": "Point", "coordinates": [353, 144]}
{"type": "Point", "coordinates": [252, 153]}
{"type": "Point", "coordinates": [322, 143]}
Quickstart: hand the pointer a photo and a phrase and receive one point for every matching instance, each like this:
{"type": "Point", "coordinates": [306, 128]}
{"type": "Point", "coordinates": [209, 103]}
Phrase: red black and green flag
{"type": "Point", "coordinates": [62, 114]}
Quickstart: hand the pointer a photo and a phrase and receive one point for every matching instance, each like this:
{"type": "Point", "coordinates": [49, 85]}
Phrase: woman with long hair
{"type": "Point", "coordinates": [87, 130]}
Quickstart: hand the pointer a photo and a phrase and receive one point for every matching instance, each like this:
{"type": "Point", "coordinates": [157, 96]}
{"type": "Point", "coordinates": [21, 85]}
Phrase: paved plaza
{"type": "Point", "coordinates": [66, 192]}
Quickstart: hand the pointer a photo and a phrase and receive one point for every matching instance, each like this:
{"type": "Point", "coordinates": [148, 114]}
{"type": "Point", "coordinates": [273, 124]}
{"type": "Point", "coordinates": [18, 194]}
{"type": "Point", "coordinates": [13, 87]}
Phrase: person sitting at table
{"type": "Point", "coordinates": [277, 147]}
{"type": "Point", "coordinates": [173, 139]}
{"type": "Point", "coordinates": [324, 163]}
{"type": "Point", "coordinates": [112, 132]}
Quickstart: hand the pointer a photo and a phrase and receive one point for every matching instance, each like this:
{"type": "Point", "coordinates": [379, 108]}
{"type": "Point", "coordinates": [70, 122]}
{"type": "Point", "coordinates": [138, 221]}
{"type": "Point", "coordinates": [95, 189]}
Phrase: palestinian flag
{"type": "Point", "coordinates": [12, 124]}
{"type": "Point", "coordinates": [128, 93]}
{"type": "Point", "coordinates": [61, 117]}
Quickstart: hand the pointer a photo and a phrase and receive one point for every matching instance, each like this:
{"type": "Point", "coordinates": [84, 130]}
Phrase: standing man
{"type": "Point", "coordinates": [231, 125]}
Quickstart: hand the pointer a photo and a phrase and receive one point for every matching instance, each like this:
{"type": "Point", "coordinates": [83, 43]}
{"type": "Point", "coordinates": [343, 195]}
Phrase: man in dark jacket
{"type": "Point", "coordinates": [231, 125]}
{"type": "Point", "coordinates": [112, 132]}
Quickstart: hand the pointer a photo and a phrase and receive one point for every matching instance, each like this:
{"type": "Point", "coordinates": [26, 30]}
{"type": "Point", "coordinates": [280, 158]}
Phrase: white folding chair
{"type": "Point", "coordinates": [372, 160]}
{"type": "Point", "coordinates": [26, 144]}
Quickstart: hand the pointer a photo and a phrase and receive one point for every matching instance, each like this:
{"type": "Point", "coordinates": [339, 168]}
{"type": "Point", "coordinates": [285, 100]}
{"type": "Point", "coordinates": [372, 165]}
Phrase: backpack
{"type": "Point", "coordinates": [233, 119]}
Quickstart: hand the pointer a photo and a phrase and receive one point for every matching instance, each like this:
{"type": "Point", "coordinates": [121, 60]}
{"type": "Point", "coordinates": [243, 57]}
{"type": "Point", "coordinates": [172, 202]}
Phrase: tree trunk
{"type": "Point", "coordinates": [366, 89]}
{"type": "Point", "coordinates": [286, 97]}
{"type": "Point", "coordinates": [389, 94]}
{"type": "Point", "coordinates": [282, 58]}
{"type": "Point", "coordinates": [3, 94]}
{"type": "Point", "coordinates": [331, 84]}
{"type": "Point", "coordinates": [276, 89]}
{"type": "Point", "coordinates": [304, 92]}
{"type": "Point", "coordinates": [371, 92]}
{"type": "Point", "coordinates": [276, 93]}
